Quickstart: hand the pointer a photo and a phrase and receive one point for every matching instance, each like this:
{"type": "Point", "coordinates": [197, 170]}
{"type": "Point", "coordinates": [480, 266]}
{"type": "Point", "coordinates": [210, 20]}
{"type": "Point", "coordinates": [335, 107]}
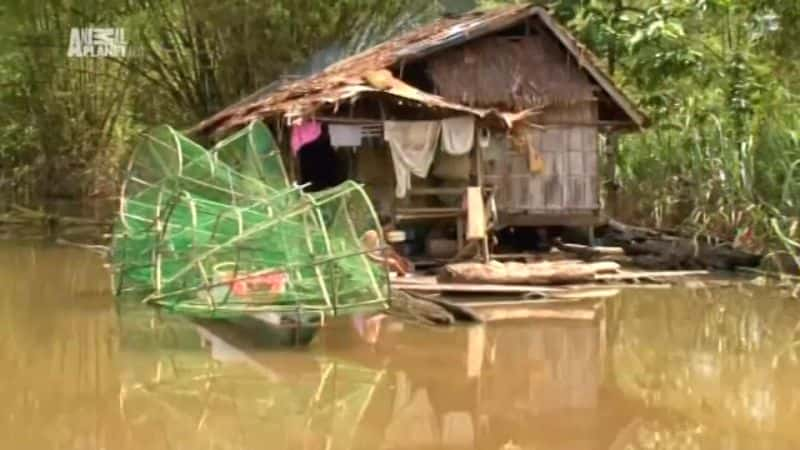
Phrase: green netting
{"type": "Point", "coordinates": [223, 231]}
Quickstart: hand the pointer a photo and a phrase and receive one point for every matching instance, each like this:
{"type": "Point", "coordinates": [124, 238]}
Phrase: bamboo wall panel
{"type": "Point", "coordinates": [567, 182]}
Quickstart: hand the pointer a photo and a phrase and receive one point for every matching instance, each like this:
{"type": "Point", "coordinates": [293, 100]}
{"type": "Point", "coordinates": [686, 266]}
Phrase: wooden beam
{"type": "Point", "coordinates": [437, 191]}
{"type": "Point", "coordinates": [645, 274]}
{"type": "Point", "coordinates": [429, 210]}
{"type": "Point", "coordinates": [474, 288]}
{"type": "Point", "coordinates": [412, 217]}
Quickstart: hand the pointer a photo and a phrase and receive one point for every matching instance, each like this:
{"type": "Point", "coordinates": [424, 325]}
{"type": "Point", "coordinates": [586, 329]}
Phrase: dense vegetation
{"type": "Point", "coordinates": [715, 76]}
{"type": "Point", "coordinates": [718, 79]}
{"type": "Point", "coordinates": [66, 122]}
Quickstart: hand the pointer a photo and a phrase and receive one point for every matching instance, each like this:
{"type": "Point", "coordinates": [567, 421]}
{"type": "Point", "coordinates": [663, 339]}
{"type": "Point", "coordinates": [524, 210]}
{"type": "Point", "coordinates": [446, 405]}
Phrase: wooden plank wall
{"type": "Point", "coordinates": [567, 141]}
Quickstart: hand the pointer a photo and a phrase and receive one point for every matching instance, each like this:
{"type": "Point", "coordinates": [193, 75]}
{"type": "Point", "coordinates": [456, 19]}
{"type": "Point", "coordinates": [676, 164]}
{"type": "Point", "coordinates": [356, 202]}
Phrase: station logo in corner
{"type": "Point", "coordinates": [97, 43]}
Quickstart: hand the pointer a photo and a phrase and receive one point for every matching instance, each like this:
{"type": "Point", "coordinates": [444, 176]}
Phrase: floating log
{"type": "Point", "coordinates": [539, 273]}
{"type": "Point", "coordinates": [654, 249]}
{"type": "Point", "coordinates": [588, 252]}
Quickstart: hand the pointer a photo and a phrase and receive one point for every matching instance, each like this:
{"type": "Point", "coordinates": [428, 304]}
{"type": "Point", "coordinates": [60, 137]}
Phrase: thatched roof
{"type": "Point", "coordinates": [370, 71]}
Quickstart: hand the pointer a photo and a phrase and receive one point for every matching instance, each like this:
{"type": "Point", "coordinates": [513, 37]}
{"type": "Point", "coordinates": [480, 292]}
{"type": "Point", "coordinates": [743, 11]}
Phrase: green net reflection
{"type": "Point", "coordinates": [223, 232]}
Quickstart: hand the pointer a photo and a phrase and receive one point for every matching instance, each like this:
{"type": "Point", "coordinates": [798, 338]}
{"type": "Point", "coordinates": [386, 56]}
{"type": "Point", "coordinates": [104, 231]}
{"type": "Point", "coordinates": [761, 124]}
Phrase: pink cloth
{"type": "Point", "coordinates": [304, 133]}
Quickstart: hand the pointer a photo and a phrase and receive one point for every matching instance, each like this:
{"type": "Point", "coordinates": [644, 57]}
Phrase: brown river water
{"type": "Point", "coordinates": [647, 369]}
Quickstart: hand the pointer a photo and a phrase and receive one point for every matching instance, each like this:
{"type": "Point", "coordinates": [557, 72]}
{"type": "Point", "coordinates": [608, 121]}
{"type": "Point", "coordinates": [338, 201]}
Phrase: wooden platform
{"type": "Point", "coordinates": [619, 280]}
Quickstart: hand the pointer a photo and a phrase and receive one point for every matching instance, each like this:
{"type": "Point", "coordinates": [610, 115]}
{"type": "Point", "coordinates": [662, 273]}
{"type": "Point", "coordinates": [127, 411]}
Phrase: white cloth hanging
{"type": "Point", "coordinates": [413, 145]}
{"type": "Point", "coordinates": [458, 135]}
{"type": "Point", "coordinates": [345, 135]}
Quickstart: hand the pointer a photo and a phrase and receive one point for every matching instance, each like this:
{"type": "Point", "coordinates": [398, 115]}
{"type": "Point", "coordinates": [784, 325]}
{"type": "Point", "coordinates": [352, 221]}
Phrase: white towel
{"type": "Point", "coordinates": [345, 135]}
{"type": "Point", "coordinates": [413, 146]}
{"type": "Point", "coordinates": [458, 135]}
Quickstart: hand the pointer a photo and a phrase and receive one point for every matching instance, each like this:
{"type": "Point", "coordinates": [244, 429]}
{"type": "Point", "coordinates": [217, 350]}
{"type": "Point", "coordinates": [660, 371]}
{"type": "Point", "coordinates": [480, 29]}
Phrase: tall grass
{"type": "Point", "coordinates": [706, 177]}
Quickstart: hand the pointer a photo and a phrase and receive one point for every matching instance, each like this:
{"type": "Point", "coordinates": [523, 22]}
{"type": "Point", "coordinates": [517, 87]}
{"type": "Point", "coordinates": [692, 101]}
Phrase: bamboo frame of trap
{"type": "Point", "coordinates": [309, 210]}
{"type": "Point", "coordinates": [308, 207]}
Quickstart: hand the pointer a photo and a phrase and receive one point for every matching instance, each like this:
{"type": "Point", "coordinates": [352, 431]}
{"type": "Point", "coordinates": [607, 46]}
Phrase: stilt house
{"type": "Point", "coordinates": [538, 98]}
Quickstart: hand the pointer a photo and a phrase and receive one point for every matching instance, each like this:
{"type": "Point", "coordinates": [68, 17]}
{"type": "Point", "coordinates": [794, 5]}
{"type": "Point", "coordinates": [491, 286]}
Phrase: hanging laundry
{"type": "Point", "coordinates": [303, 133]}
{"type": "Point", "coordinates": [346, 135]}
{"type": "Point", "coordinates": [413, 145]}
{"type": "Point", "coordinates": [458, 135]}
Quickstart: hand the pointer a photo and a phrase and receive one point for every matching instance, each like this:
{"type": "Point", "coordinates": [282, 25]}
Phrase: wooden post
{"type": "Point", "coordinates": [460, 232]}
{"type": "Point", "coordinates": [479, 173]}
{"type": "Point", "coordinates": [612, 144]}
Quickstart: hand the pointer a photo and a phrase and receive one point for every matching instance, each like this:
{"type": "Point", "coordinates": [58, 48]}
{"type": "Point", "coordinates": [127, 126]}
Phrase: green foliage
{"type": "Point", "coordinates": [716, 78]}
{"type": "Point", "coordinates": [61, 116]}
{"type": "Point", "coordinates": [67, 122]}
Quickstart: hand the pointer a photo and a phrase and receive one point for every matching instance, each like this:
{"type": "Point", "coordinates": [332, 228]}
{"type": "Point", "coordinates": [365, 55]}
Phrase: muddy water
{"type": "Point", "coordinates": [650, 369]}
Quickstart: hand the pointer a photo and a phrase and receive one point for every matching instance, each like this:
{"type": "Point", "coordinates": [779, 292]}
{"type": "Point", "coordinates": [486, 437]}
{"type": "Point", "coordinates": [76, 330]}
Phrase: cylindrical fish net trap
{"type": "Point", "coordinates": [223, 232]}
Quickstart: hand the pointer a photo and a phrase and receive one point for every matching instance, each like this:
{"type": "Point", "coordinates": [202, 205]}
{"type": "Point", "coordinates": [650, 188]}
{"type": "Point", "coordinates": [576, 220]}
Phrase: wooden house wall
{"type": "Point", "coordinates": [566, 139]}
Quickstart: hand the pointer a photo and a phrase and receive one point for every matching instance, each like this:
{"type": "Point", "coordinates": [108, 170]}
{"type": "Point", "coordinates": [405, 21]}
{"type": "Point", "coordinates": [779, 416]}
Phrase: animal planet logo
{"type": "Point", "coordinates": [97, 43]}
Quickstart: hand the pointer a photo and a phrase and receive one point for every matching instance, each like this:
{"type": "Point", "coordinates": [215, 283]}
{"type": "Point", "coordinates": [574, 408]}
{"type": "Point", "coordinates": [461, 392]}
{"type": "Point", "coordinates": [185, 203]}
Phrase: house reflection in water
{"type": "Point", "coordinates": [644, 375]}
{"type": "Point", "coordinates": [649, 369]}
{"type": "Point", "coordinates": [522, 384]}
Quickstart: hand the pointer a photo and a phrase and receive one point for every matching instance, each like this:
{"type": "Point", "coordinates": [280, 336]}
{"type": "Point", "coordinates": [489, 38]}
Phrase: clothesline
{"type": "Point", "coordinates": [349, 120]}
{"type": "Point", "coordinates": [412, 143]}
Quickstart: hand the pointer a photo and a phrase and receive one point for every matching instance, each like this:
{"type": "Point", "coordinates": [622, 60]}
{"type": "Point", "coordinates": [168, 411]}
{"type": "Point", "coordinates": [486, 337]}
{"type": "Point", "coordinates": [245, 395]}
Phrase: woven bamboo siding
{"type": "Point", "coordinates": [569, 181]}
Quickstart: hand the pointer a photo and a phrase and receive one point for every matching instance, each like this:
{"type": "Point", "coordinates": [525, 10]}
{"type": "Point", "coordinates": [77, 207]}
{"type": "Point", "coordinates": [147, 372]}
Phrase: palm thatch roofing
{"type": "Point", "coordinates": [372, 71]}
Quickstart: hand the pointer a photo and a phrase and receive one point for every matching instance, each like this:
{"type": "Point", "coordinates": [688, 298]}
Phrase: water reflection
{"type": "Point", "coordinates": [652, 370]}
{"type": "Point", "coordinates": [388, 385]}
{"type": "Point", "coordinates": [726, 365]}
{"type": "Point", "coordinates": [58, 351]}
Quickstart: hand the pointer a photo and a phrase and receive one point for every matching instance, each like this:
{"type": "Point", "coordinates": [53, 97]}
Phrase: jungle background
{"type": "Point", "coordinates": [718, 79]}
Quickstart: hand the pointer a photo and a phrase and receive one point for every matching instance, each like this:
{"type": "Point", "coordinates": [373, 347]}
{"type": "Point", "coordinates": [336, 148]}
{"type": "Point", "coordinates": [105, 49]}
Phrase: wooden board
{"type": "Point", "coordinates": [656, 274]}
{"type": "Point", "coordinates": [476, 214]}
{"type": "Point", "coordinates": [416, 279]}
{"type": "Point", "coordinates": [586, 294]}
{"type": "Point", "coordinates": [474, 288]}
{"type": "Point", "coordinates": [511, 313]}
